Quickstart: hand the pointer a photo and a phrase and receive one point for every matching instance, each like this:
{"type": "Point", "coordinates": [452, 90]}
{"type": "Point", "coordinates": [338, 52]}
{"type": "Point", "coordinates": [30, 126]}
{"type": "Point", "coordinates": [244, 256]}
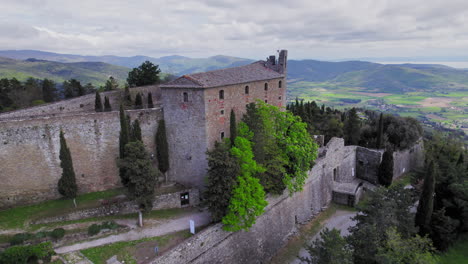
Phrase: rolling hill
{"type": "Point", "coordinates": [86, 72]}
{"type": "Point", "coordinates": [177, 65]}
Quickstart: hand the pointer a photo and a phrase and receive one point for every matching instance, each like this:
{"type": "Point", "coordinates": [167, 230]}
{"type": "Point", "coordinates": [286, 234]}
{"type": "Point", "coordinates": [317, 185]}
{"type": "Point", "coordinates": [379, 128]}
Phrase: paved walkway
{"type": "Point", "coordinates": [340, 220]}
{"type": "Point", "coordinates": [166, 227]}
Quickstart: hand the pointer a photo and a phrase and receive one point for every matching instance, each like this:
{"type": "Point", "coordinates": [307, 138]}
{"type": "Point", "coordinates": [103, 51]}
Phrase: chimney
{"type": "Point", "coordinates": [272, 59]}
{"type": "Point", "coordinates": [282, 61]}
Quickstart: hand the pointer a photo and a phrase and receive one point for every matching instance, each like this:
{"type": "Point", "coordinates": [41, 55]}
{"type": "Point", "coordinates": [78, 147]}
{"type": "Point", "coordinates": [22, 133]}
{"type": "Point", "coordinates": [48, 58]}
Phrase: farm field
{"type": "Point", "coordinates": [448, 109]}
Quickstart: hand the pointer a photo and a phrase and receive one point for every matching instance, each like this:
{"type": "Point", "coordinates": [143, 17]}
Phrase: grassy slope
{"type": "Point", "coordinates": [87, 72]}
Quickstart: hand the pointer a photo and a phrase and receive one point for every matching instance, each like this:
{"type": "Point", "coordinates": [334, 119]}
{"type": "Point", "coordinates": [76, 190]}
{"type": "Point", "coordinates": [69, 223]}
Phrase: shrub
{"type": "Point", "coordinates": [57, 233]}
{"type": "Point", "coordinates": [41, 234]}
{"type": "Point", "coordinates": [93, 229]}
{"type": "Point", "coordinates": [109, 225]}
{"type": "Point", "coordinates": [27, 254]}
{"type": "Point", "coordinates": [20, 238]}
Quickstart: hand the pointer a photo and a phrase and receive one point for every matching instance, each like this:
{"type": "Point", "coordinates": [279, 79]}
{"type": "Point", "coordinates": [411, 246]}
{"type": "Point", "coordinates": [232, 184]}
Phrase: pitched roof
{"type": "Point", "coordinates": [256, 71]}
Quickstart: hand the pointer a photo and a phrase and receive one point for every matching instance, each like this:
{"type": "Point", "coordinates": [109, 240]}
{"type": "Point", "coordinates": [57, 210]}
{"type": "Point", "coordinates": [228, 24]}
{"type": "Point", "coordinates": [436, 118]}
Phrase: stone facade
{"type": "Point", "coordinates": [29, 153]}
{"type": "Point", "coordinates": [163, 201]}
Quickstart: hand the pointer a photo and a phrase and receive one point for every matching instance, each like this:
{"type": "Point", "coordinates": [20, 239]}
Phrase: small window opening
{"type": "Point", "coordinates": [222, 112]}
{"type": "Point", "coordinates": [280, 84]}
{"type": "Point", "coordinates": [222, 135]}
{"type": "Point", "coordinates": [266, 86]}
{"type": "Point", "coordinates": [221, 95]}
{"type": "Point", "coordinates": [185, 97]}
{"type": "Point", "coordinates": [184, 199]}
{"type": "Point", "coordinates": [266, 101]}
{"type": "Point", "coordinates": [334, 174]}
{"type": "Point", "coordinates": [247, 89]}
{"type": "Point", "coordinates": [279, 98]}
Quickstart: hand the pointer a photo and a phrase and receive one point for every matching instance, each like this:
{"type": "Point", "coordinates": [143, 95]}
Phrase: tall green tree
{"type": "Point", "coordinates": [73, 88]}
{"type": "Point", "coordinates": [49, 91]}
{"type": "Point", "coordinates": [330, 248]}
{"type": "Point", "coordinates": [142, 178]}
{"type": "Point", "coordinates": [386, 168]}
{"type": "Point", "coordinates": [232, 126]}
{"type": "Point", "coordinates": [138, 101]}
{"type": "Point", "coordinates": [136, 131]}
{"type": "Point", "coordinates": [223, 169]}
{"type": "Point", "coordinates": [399, 250]}
{"type": "Point", "coordinates": [127, 97]}
{"type": "Point", "coordinates": [124, 139]}
{"type": "Point", "coordinates": [162, 148]}
{"type": "Point", "coordinates": [107, 105]}
{"type": "Point", "coordinates": [150, 101]}
{"type": "Point", "coordinates": [352, 127]}
{"type": "Point", "coordinates": [67, 186]}
{"type": "Point", "coordinates": [98, 102]}
{"type": "Point", "coordinates": [111, 84]}
{"type": "Point", "coordinates": [146, 74]}
{"type": "Point", "coordinates": [426, 201]}
{"type": "Point", "coordinates": [248, 197]}
{"type": "Point", "coordinates": [380, 133]}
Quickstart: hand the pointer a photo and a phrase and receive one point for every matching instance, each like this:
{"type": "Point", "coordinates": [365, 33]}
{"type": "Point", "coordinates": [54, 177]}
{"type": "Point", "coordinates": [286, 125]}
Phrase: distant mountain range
{"type": "Point", "coordinates": [177, 65]}
{"type": "Point", "coordinates": [368, 76]}
{"type": "Point", "coordinates": [86, 72]}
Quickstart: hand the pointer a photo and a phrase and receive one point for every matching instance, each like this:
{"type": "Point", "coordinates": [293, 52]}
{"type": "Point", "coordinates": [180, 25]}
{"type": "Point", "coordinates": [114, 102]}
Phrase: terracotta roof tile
{"type": "Point", "coordinates": [256, 71]}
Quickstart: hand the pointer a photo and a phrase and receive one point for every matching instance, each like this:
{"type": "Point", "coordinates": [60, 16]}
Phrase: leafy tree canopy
{"type": "Point", "coordinates": [146, 74]}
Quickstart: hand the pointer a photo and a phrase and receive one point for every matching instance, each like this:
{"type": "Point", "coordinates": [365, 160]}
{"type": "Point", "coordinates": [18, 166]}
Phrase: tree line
{"type": "Point", "coordinates": [269, 151]}
{"type": "Point", "coordinates": [361, 127]}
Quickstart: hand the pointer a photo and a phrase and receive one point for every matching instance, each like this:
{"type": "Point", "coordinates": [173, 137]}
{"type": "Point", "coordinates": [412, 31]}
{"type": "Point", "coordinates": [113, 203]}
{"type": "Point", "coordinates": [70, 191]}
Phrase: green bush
{"type": "Point", "coordinates": [41, 234]}
{"type": "Point", "coordinates": [93, 229]}
{"type": "Point", "coordinates": [27, 254]}
{"type": "Point", "coordinates": [109, 225]}
{"type": "Point", "coordinates": [57, 233]}
{"type": "Point", "coordinates": [20, 238]}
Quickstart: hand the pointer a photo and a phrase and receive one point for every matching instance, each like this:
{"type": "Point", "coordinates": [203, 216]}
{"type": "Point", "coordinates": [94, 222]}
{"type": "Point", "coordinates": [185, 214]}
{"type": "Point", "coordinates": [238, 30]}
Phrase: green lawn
{"type": "Point", "coordinates": [126, 250]}
{"type": "Point", "coordinates": [457, 254]}
{"type": "Point", "coordinates": [18, 218]}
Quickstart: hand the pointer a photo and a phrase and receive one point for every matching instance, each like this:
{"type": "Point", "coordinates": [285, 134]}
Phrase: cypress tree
{"type": "Point", "coordinates": [136, 131]}
{"type": "Point", "coordinates": [380, 133]}
{"type": "Point", "coordinates": [162, 150]}
{"type": "Point", "coordinates": [67, 184]}
{"type": "Point", "coordinates": [150, 101]}
{"type": "Point", "coordinates": [386, 168]}
{"type": "Point", "coordinates": [426, 201]}
{"type": "Point", "coordinates": [138, 101]}
{"type": "Point", "coordinates": [98, 102]}
{"type": "Point", "coordinates": [124, 138]}
{"type": "Point", "coordinates": [233, 128]}
{"type": "Point", "coordinates": [352, 127]}
{"type": "Point", "coordinates": [107, 105]}
{"type": "Point", "coordinates": [127, 97]}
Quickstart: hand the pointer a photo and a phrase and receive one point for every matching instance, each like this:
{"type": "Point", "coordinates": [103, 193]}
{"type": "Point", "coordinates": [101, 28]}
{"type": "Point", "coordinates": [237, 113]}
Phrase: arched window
{"type": "Point", "coordinates": [246, 89]}
{"type": "Point", "coordinates": [280, 84]}
{"type": "Point", "coordinates": [185, 97]}
{"type": "Point", "coordinates": [266, 86]}
{"type": "Point", "coordinates": [221, 95]}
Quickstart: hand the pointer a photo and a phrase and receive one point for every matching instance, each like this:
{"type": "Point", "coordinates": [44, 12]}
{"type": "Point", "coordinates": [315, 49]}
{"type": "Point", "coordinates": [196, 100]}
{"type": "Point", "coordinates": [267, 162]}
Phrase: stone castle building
{"type": "Point", "coordinates": [196, 109]}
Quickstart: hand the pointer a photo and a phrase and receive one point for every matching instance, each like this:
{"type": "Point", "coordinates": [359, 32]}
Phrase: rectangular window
{"type": "Point", "coordinates": [222, 112]}
{"type": "Point", "coordinates": [185, 97]}
{"type": "Point", "coordinates": [222, 135]}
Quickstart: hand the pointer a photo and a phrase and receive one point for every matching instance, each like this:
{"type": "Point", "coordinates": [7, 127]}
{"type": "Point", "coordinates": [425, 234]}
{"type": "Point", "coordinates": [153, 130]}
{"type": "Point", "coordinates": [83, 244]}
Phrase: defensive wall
{"type": "Point", "coordinates": [284, 212]}
{"type": "Point", "coordinates": [29, 152]}
{"type": "Point", "coordinates": [82, 104]}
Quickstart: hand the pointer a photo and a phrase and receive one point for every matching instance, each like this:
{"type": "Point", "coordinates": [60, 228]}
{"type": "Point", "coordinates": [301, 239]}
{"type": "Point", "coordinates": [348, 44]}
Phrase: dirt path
{"type": "Point", "coordinates": [165, 227]}
{"type": "Point", "coordinates": [340, 220]}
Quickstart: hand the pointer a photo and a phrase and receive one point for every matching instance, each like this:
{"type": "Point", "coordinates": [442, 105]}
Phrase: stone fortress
{"type": "Point", "coordinates": [196, 110]}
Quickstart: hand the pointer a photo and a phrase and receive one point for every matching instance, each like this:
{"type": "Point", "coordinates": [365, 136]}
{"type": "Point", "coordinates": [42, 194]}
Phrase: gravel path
{"type": "Point", "coordinates": [166, 227]}
{"type": "Point", "coordinates": [341, 220]}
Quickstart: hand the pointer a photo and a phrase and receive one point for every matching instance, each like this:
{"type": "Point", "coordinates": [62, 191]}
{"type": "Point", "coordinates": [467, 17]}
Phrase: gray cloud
{"type": "Point", "coordinates": [248, 28]}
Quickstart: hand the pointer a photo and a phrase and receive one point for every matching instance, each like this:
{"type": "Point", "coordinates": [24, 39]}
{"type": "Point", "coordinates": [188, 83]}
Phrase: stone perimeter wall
{"type": "Point", "coordinates": [29, 153]}
{"type": "Point", "coordinates": [283, 213]}
{"type": "Point", "coordinates": [163, 201]}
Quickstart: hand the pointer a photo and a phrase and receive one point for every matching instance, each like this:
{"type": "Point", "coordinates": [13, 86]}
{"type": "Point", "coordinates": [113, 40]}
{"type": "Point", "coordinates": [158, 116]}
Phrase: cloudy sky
{"type": "Point", "coordinates": [330, 29]}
